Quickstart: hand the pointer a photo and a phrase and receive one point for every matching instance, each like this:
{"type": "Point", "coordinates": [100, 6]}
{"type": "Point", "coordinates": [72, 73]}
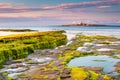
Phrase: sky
{"type": "Point", "coordinates": [56, 12]}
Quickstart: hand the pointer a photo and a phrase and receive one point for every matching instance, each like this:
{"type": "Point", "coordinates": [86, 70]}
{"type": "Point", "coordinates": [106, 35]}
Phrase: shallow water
{"type": "Point", "coordinates": [72, 31]}
{"type": "Point", "coordinates": [104, 61]}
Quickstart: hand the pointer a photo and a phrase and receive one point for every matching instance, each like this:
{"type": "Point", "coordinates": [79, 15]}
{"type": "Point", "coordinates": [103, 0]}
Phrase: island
{"type": "Point", "coordinates": [84, 24]}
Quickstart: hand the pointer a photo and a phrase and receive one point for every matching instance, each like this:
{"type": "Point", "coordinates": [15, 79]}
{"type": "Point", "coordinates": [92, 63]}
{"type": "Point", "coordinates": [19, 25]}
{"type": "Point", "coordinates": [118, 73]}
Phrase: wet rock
{"type": "Point", "coordinates": [66, 70]}
{"type": "Point", "coordinates": [69, 42]}
{"type": "Point", "coordinates": [17, 70]}
{"type": "Point", "coordinates": [100, 78]}
{"type": "Point", "coordinates": [68, 79]}
{"type": "Point", "coordinates": [46, 51]}
{"type": "Point", "coordinates": [116, 42]}
{"type": "Point", "coordinates": [2, 77]}
{"type": "Point", "coordinates": [117, 55]}
{"type": "Point", "coordinates": [23, 78]}
{"type": "Point", "coordinates": [95, 69]}
{"type": "Point", "coordinates": [13, 75]}
{"type": "Point", "coordinates": [49, 51]}
{"type": "Point", "coordinates": [117, 69]}
{"type": "Point", "coordinates": [64, 76]}
{"type": "Point", "coordinates": [8, 62]}
{"type": "Point", "coordinates": [112, 73]}
{"type": "Point", "coordinates": [63, 48]}
{"type": "Point", "coordinates": [40, 60]}
{"type": "Point", "coordinates": [84, 49]}
{"type": "Point", "coordinates": [105, 49]}
{"type": "Point", "coordinates": [88, 44]}
{"type": "Point", "coordinates": [36, 51]}
{"type": "Point", "coordinates": [117, 77]}
{"type": "Point", "coordinates": [65, 73]}
{"type": "Point", "coordinates": [54, 51]}
{"type": "Point", "coordinates": [52, 77]}
{"type": "Point", "coordinates": [99, 45]}
{"type": "Point", "coordinates": [17, 61]}
{"type": "Point", "coordinates": [48, 72]}
{"type": "Point", "coordinates": [16, 65]}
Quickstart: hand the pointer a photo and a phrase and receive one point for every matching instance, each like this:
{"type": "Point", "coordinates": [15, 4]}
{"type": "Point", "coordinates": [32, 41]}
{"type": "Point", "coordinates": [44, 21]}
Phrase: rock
{"type": "Point", "coordinates": [84, 49]}
{"type": "Point", "coordinates": [36, 51]}
{"type": "Point", "coordinates": [52, 77]}
{"type": "Point", "coordinates": [2, 77]}
{"type": "Point", "coordinates": [13, 75]}
{"type": "Point", "coordinates": [116, 42]}
{"type": "Point", "coordinates": [63, 48]}
{"type": "Point", "coordinates": [88, 44]}
{"type": "Point", "coordinates": [117, 69]}
{"type": "Point", "coordinates": [95, 69]}
{"type": "Point", "coordinates": [57, 72]}
{"type": "Point", "coordinates": [17, 70]}
{"type": "Point", "coordinates": [64, 76]}
{"type": "Point", "coordinates": [66, 70]}
{"type": "Point", "coordinates": [16, 65]}
{"type": "Point", "coordinates": [8, 62]}
{"type": "Point", "coordinates": [65, 73]}
{"type": "Point", "coordinates": [68, 79]}
{"type": "Point", "coordinates": [17, 61]}
{"type": "Point", "coordinates": [99, 45]}
{"type": "Point", "coordinates": [69, 42]}
{"type": "Point", "coordinates": [100, 78]}
{"type": "Point", "coordinates": [118, 64]}
{"type": "Point", "coordinates": [105, 49]}
{"type": "Point", "coordinates": [41, 60]}
{"type": "Point", "coordinates": [46, 51]}
{"type": "Point", "coordinates": [113, 73]}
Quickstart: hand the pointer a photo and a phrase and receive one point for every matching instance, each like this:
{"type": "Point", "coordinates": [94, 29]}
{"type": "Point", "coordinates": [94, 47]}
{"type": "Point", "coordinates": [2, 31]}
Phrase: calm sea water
{"type": "Point", "coordinates": [107, 30]}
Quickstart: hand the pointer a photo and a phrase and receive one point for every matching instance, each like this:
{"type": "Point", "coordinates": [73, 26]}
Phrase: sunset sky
{"type": "Point", "coordinates": [54, 12]}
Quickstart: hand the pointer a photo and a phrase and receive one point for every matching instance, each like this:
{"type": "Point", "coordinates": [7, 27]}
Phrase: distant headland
{"type": "Point", "coordinates": [17, 30]}
{"type": "Point", "coordinates": [84, 24]}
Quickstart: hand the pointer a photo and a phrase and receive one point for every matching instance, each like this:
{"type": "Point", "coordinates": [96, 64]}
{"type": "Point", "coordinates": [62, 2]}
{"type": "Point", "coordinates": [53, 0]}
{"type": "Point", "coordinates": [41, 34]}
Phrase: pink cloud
{"type": "Point", "coordinates": [104, 6]}
{"type": "Point", "coordinates": [5, 5]}
{"type": "Point", "coordinates": [95, 11]}
{"type": "Point", "coordinates": [118, 21]}
{"type": "Point", "coordinates": [104, 3]}
{"type": "Point", "coordinates": [8, 8]}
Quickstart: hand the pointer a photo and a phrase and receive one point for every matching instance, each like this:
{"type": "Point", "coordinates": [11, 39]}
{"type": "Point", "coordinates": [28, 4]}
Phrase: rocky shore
{"type": "Point", "coordinates": [51, 64]}
{"type": "Point", "coordinates": [17, 30]}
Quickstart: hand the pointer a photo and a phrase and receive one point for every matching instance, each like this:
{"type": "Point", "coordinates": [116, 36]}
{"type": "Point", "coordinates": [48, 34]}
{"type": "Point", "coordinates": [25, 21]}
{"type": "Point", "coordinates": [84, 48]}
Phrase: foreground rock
{"type": "Point", "coordinates": [54, 66]}
{"type": "Point", "coordinates": [117, 67]}
{"type": "Point", "coordinates": [95, 69]}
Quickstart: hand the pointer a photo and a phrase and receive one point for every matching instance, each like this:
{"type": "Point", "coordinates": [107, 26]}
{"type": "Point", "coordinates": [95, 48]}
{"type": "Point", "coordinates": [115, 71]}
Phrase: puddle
{"type": "Point", "coordinates": [104, 61]}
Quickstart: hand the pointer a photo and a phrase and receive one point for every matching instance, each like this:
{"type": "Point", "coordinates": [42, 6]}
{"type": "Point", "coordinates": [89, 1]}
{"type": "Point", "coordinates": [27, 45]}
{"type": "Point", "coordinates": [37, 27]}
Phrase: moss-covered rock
{"type": "Point", "coordinates": [20, 45]}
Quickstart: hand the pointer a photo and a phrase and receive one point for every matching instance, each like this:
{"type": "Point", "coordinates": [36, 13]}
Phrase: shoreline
{"type": "Point", "coordinates": [17, 30]}
{"type": "Point", "coordinates": [70, 34]}
{"type": "Point", "coordinates": [59, 57]}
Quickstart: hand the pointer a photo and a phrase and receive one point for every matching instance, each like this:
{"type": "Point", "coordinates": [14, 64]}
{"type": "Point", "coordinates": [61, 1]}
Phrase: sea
{"type": "Point", "coordinates": [71, 31]}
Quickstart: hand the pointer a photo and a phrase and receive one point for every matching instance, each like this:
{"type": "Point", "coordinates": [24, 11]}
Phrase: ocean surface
{"type": "Point", "coordinates": [71, 30]}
